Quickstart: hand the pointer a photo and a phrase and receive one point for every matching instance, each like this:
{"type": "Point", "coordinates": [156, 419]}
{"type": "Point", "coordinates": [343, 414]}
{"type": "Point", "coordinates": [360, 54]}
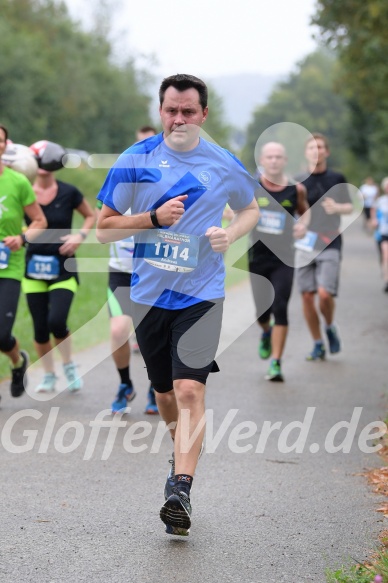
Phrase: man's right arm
{"type": "Point", "coordinates": [113, 226]}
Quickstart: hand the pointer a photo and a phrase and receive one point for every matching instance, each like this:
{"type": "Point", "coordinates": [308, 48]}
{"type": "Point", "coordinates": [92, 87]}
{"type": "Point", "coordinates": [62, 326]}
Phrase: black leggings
{"type": "Point", "coordinates": [49, 311]}
{"type": "Point", "coordinates": [9, 297]}
{"type": "Point", "coordinates": [281, 276]}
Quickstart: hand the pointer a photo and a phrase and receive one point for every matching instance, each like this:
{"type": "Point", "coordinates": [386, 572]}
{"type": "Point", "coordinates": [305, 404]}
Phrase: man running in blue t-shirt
{"type": "Point", "coordinates": [177, 185]}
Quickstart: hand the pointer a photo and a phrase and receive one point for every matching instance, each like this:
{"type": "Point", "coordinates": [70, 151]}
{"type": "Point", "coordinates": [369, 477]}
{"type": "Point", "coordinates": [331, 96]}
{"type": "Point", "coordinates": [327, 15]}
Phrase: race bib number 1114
{"type": "Point", "coordinates": [172, 251]}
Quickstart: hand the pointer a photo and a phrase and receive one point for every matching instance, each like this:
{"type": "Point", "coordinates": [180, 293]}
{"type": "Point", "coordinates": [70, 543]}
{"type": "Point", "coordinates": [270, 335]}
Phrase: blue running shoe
{"type": "Point", "coordinates": [151, 407]}
{"type": "Point", "coordinates": [125, 395]}
{"type": "Point", "coordinates": [333, 338]}
{"type": "Point", "coordinates": [318, 352]}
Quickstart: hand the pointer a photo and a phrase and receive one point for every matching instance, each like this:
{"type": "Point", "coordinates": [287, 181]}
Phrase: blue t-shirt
{"type": "Point", "coordinates": [175, 267]}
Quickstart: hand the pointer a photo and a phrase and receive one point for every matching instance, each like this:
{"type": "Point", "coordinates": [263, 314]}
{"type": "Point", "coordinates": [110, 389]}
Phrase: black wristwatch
{"type": "Point", "coordinates": [24, 239]}
{"type": "Point", "coordinates": [154, 219]}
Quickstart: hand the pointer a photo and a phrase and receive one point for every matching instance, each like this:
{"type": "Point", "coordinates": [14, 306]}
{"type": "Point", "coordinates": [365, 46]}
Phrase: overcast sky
{"type": "Point", "coordinates": [211, 37]}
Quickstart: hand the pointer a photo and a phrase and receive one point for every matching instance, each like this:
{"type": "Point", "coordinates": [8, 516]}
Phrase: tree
{"type": "Point", "coordinates": [60, 83]}
{"type": "Point", "coordinates": [305, 98]}
{"type": "Point", "coordinates": [215, 126]}
{"type": "Point", "coordinates": [357, 31]}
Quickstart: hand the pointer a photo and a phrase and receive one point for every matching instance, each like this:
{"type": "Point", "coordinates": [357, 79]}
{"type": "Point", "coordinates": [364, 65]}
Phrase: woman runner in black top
{"type": "Point", "coordinates": [48, 285]}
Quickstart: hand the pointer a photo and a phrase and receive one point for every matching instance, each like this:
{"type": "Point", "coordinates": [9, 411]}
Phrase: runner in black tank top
{"type": "Point", "coordinates": [271, 254]}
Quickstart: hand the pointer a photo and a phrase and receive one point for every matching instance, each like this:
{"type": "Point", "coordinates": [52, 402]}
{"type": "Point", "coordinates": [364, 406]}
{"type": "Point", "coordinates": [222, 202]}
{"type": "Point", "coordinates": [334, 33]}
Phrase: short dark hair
{"type": "Point", "coordinates": [146, 129]}
{"type": "Point", "coordinates": [5, 131]}
{"type": "Point", "coordinates": [318, 136]}
{"type": "Point", "coordinates": [181, 82]}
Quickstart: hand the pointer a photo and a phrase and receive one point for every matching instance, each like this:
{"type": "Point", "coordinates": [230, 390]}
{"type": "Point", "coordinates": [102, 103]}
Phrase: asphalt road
{"type": "Point", "coordinates": [82, 504]}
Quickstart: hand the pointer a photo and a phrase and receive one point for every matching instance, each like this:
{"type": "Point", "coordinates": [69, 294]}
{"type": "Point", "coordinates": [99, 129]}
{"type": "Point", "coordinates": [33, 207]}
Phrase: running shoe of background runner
{"type": "Point", "coordinates": [176, 513]}
{"type": "Point", "coordinates": [317, 353]}
{"type": "Point", "coordinates": [125, 395]}
{"type": "Point", "coordinates": [48, 383]}
{"type": "Point", "coordinates": [75, 383]}
{"type": "Point", "coordinates": [265, 346]}
{"type": "Point", "coordinates": [334, 339]}
{"type": "Point", "coordinates": [151, 407]}
{"type": "Point", "coordinates": [274, 373]}
{"type": "Point", "coordinates": [17, 382]}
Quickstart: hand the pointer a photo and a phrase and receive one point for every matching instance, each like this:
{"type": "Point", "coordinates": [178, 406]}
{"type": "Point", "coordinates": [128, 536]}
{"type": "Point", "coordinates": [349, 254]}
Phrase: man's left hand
{"type": "Point", "coordinates": [70, 245]}
{"type": "Point", "coordinates": [299, 230]}
{"type": "Point", "coordinates": [218, 239]}
{"type": "Point", "coordinates": [330, 206]}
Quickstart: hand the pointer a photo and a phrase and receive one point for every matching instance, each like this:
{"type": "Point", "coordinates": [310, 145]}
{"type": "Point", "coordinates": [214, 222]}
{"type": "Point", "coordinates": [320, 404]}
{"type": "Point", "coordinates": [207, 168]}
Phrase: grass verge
{"type": "Point", "coordinates": [375, 570]}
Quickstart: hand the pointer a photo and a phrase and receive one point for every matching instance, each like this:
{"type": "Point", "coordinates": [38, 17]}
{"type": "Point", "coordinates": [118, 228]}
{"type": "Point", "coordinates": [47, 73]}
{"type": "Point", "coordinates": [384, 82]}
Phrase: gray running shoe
{"type": "Point", "coordinates": [176, 513]}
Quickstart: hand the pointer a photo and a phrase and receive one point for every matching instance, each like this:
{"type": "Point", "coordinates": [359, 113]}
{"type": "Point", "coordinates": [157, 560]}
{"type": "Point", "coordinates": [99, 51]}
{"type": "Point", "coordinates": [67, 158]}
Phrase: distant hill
{"type": "Point", "coordinates": [242, 93]}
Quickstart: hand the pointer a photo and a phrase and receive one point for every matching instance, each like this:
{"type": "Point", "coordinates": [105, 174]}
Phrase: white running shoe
{"type": "Point", "coordinates": [48, 383]}
{"type": "Point", "coordinates": [75, 383]}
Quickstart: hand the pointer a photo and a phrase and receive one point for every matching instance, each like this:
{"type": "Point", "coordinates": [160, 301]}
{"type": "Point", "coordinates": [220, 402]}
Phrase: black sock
{"type": "Point", "coordinates": [183, 482]}
{"type": "Point", "coordinates": [124, 376]}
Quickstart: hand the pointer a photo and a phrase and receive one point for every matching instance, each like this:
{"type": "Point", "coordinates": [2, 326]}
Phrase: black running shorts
{"type": "Point", "coordinates": [178, 344]}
